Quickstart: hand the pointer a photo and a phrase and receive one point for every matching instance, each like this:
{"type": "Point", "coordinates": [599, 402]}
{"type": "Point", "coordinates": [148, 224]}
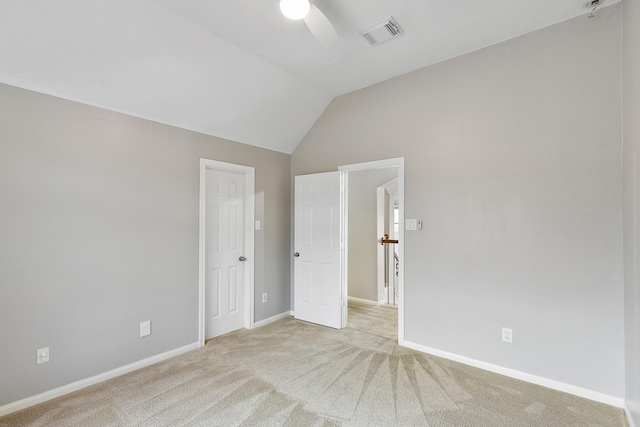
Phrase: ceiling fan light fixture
{"type": "Point", "coordinates": [295, 9]}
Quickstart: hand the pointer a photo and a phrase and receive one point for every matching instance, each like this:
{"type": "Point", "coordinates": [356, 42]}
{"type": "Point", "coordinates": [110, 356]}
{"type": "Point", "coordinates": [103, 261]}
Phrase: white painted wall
{"type": "Point", "coordinates": [631, 131]}
{"type": "Point", "coordinates": [513, 163]}
{"type": "Point", "coordinates": [363, 238]}
{"type": "Point", "coordinates": [99, 232]}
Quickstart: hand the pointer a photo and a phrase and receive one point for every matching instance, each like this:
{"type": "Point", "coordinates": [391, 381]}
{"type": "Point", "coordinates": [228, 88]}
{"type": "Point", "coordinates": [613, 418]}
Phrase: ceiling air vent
{"type": "Point", "coordinates": [382, 31]}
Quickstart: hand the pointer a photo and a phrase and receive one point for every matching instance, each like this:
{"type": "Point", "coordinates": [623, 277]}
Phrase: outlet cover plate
{"type": "Point", "coordinates": [507, 335]}
{"type": "Point", "coordinates": [42, 355]}
{"type": "Point", "coordinates": [264, 297]}
{"type": "Point", "coordinates": [145, 328]}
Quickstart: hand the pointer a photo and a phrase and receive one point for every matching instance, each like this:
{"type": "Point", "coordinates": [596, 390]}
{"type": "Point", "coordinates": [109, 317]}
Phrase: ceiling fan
{"type": "Point", "coordinates": [316, 21]}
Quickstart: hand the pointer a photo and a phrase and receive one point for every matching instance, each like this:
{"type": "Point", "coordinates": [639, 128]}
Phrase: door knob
{"type": "Point", "coordinates": [242, 258]}
{"type": "Point", "coordinates": [297, 254]}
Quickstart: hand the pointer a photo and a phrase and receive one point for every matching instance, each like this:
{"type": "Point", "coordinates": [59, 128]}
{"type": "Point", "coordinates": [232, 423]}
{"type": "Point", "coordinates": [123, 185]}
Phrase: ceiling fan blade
{"type": "Point", "coordinates": [320, 26]}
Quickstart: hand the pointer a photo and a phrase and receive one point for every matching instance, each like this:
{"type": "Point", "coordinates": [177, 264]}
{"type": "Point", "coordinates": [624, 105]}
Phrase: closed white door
{"type": "Point", "coordinates": [224, 252]}
{"type": "Point", "coordinates": [317, 273]}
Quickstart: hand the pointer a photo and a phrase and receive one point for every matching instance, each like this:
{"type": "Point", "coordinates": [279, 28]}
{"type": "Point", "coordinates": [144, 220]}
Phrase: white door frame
{"type": "Point", "coordinates": [380, 226]}
{"type": "Point", "coordinates": [249, 201]}
{"type": "Point", "coordinates": [344, 179]}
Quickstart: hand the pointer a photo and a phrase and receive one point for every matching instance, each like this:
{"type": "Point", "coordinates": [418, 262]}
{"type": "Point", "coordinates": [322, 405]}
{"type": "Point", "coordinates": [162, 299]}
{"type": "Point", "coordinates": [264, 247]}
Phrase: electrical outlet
{"type": "Point", "coordinates": [264, 297]}
{"type": "Point", "coordinates": [42, 355]}
{"type": "Point", "coordinates": [507, 335]}
{"type": "Point", "coordinates": [145, 328]}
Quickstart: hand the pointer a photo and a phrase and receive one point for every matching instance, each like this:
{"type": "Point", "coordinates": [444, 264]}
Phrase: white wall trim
{"type": "Point", "coordinates": [627, 412]}
{"type": "Point", "coordinates": [344, 247]}
{"type": "Point", "coordinates": [272, 319]}
{"type": "Point", "coordinates": [534, 379]}
{"type": "Point", "coordinates": [78, 385]}
{"type": "Point", "coordinates": [366, 301]}
{"type": "Point", "coordinates": [249, 219]}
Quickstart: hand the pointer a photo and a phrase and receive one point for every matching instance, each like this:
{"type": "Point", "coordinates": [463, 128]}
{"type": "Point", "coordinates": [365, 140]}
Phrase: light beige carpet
{"type": "Point", "coordinates": [292, 373]}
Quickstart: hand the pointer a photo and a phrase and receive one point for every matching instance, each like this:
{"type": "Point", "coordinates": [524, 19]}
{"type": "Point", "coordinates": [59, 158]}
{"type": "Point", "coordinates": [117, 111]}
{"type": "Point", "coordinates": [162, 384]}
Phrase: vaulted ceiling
{"type": "Point", "coordinates": [239, 69]}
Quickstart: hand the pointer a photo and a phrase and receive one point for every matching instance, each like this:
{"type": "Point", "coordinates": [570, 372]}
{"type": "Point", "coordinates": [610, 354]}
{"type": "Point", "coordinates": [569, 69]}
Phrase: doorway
{"type": "Point", "coordinates": [226, 271]}
{"type": "Point", "coordinates": [351, 240]}
{"type": "Point", "coordinates": [388, 226]}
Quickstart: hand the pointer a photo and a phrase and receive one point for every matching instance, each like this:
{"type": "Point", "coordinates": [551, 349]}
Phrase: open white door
{"type": "Point", "coordinates": [317, 272]}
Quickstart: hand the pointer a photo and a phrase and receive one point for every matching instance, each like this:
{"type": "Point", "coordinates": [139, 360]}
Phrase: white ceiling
{"type": "Point", "coordinates": [238, 69]}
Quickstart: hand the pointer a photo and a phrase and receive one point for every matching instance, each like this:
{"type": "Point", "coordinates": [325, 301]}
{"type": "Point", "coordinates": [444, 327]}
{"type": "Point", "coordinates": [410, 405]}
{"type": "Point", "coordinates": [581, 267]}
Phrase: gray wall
{"type": "Point", "coordinates": [512, 161]}
{"type": "Point", "coordinates": [631, 131]}
{"type": "Point", "coordinates": [362, 228]}
{"type": "Point", "coordinates": [99, 231]}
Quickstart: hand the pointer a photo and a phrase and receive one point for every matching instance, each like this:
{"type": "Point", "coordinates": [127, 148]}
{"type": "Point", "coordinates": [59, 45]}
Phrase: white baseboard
{"type": "Point", "coordinates": [364, 301]}
{"type": "Point", "coordinates": [273, 319]}
{"type": "Point", "coordinates": [627, 412]}
{"type": "Point", "coordinates": [78, 385]}
{"type": "Point", "coordinates": [534, 379]}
